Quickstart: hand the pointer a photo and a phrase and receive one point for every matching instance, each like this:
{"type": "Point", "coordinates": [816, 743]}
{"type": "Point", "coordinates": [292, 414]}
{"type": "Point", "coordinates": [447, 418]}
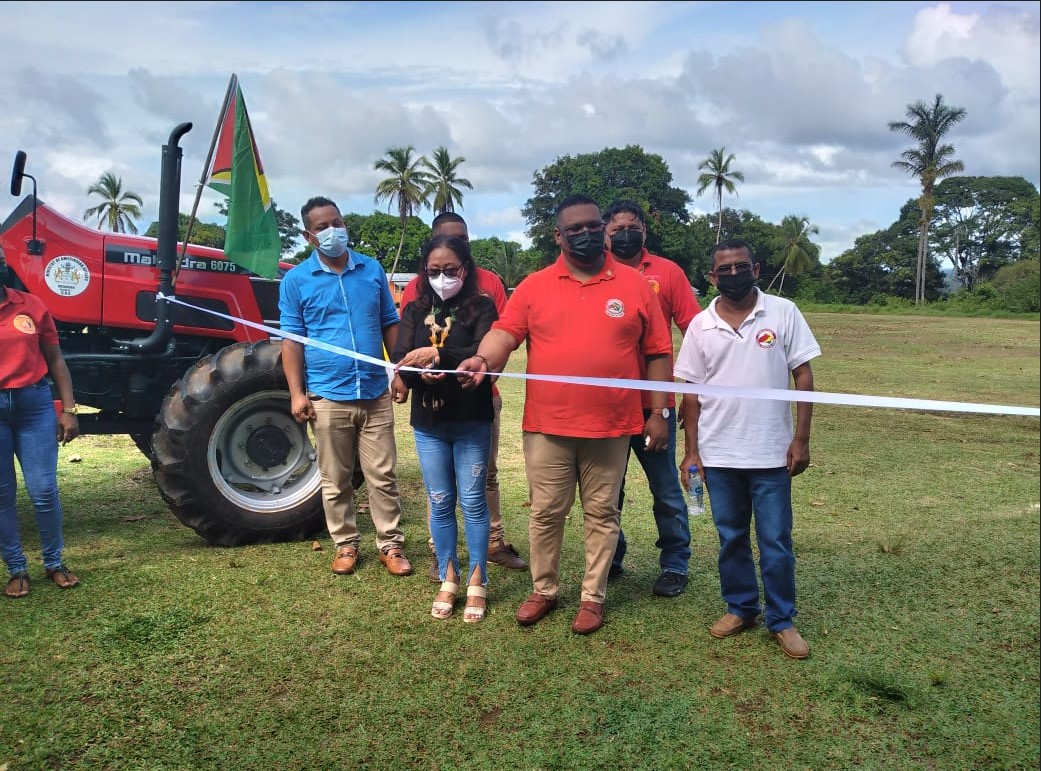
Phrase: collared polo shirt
{"type": "Point", "coordinates": [350, 310]}
{"type": "Point", "coordinates": [761, 353]}
{"type": "Point", "coordinates": [675, 295]}
{"type": "Point", "coordinates": [25, 326]}
{"type": "Point", "coordinates": [602, 327]}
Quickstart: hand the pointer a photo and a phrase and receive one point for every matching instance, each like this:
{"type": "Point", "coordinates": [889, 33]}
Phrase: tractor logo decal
{"type": "Point", "coordinates": [24, 324]}
{"type": "Point", "coordinates": [67, 276]}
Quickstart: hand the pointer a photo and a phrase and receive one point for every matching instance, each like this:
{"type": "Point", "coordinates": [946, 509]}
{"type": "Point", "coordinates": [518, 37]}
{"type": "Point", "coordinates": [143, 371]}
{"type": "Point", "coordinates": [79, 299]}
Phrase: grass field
{"type": "Point", "coordinates": [917, 536]}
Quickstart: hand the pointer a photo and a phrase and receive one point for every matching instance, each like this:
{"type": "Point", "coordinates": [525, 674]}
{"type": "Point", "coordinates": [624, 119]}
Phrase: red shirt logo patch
{"type": "Point", "coordinates": [766, 339]}
{"type": "Point", "coordinates": [24, 324]}
{"type": "Point", "coordinates": [615, 309]}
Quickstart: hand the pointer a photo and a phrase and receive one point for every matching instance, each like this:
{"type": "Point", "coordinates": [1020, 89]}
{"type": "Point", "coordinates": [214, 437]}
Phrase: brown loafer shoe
{"type": "Point", "coordinates": [434, 574]}
{"type": "Point", "coordinates": [63, 577]}
{"type": "Point", "coordinates": [18, 586]}
{"type": "Point", "coordinates": [791, 643]}
{"type": "Point", "coordinates": [346, 560]}
{"type": "Point", "coordinates": [730, 625]}
{"type": "Point", "coordinates": [394, 560]}
{"type": "Point", "coordinates": [535, 608]}
{"type": "Point", "coordinates": [502, 553]}
{"type": "Point", "coordinates": [590, 617]}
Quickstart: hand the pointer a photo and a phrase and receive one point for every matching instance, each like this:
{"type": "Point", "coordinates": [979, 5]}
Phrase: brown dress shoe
{"type": "Point", "coordinates": [502, 553]}
{"type": "Point", "coordinates": [792, 644]}
{"type": "Point", "coordinates": [535, 608]}
{"type": "Point", "coordinates": [590, 617]}
{"type": "Point", "coordinates": [730, 625]}
{"type": "Point", "coordinates": [62, 576]}
{"type": "Point", "coordinates": [394, 560]}
{"type": "Point", "coordinates": [346, 559]}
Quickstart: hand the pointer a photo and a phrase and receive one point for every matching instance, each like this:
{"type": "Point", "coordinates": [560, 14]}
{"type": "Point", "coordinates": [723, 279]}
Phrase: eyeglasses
{"type": "Point", "coordinates": [451, 271]}
{"type": "Point", "coordinates": [592, 227]}
{"type": "Point", "coordinates": [733, 270]}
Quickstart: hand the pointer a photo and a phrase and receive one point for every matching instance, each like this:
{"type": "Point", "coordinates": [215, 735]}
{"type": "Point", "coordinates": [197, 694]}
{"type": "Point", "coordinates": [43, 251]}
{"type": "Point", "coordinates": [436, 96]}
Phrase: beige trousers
{"type": "Point", "coordinates": [362, 430]}
{"type": "Point", "coordinates": [554, 465]}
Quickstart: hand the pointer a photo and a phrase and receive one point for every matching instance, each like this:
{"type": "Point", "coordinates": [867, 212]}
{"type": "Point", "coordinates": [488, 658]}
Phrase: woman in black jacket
{"type": "Point", "coordinates": [452, 427]}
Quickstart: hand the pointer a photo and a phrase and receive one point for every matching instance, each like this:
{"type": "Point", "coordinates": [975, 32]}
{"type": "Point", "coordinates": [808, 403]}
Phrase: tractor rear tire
{"type": "Point", "coordinates": [227, 455]}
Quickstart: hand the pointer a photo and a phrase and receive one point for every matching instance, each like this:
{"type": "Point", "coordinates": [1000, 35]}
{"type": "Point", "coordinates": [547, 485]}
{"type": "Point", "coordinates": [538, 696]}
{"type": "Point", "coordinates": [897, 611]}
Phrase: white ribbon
{"type": "Point", "coordinates": [729, 392]}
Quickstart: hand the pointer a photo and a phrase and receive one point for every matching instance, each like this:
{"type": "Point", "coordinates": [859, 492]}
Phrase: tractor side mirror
{"type": "Point", "coordinates": [34, 246]}
{"type": "Point", "coordinates": [18, 172]}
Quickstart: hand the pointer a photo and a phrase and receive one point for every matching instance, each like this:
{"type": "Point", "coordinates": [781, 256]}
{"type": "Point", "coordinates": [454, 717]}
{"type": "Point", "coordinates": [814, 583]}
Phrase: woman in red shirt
{"type": "Point", "coordinates": [28, 427]}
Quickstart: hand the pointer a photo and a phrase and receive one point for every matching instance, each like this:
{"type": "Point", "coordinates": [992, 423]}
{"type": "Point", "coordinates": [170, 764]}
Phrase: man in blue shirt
{"type": "Point", "coordinates": [341, 297]}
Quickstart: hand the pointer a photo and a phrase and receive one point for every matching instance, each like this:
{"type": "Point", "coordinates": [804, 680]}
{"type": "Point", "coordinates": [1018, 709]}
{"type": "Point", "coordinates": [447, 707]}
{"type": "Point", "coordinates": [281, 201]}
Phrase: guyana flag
{"type": "Point", "coordinates": [252, 239]}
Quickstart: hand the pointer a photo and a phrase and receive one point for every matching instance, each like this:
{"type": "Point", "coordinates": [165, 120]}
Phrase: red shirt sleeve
{"type": "Point", "coordinates": [410, 292]}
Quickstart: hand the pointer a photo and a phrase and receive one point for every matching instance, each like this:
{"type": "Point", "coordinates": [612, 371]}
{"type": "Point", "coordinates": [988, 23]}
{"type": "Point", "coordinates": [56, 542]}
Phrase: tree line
{"type": "Point", "coordinates": [981, 225]}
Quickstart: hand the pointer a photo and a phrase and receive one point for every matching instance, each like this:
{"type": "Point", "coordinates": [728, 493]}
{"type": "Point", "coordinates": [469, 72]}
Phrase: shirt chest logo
{"type": "Point", "coordinates": [615, 309]}
{"type": "Point", "coordinates": [766, 338]}
{"type": "Point", "coordinates": [24, 323]}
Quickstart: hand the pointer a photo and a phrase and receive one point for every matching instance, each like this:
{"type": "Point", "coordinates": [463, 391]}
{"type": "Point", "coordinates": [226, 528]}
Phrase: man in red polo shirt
{"type": "Point", "coordinates": [582, 316]}
{"type": "Point", "coordinates": [500, 551]}
{"type": "Point", "coordinates": [626, 234]}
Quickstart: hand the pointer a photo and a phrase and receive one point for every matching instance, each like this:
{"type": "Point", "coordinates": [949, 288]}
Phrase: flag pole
{"type": "Point", "coordinates": [232, 85]}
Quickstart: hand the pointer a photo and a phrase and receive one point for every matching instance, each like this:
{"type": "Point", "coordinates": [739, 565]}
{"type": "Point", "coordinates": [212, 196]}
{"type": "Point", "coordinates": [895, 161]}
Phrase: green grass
{"type": "Point", "coordinates": [917, 536]}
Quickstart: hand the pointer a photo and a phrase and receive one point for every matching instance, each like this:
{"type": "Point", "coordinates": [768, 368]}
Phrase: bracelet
{"type": "Point", "coordinates": [73, 410]}
{"type": "Point", "coordinates": [482, 358]}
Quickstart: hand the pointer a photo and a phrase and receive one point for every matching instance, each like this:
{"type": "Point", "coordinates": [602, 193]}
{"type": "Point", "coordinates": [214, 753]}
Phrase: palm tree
{"type": "Point", "coordinates": [444, 183]}
{"type": "Point", "coordinates": [793, 245]}
{"type": "Point", "coordinates": [408, 187]}
{"type": "Point", "coordinates": [718, 175]}
{"type": "Point", "coordinates": [117, 207]}
{"type": "Point", "coordinates": [929, 161]}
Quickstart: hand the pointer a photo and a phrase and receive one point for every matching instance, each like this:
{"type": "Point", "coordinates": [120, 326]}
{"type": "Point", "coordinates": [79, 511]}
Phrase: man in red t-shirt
{"type": "Point", "coordinates": [586, 316]}
{"type": "Point", "coordinates": [500, 551]}
{"type": "Point", "coordinates": [626, 234]}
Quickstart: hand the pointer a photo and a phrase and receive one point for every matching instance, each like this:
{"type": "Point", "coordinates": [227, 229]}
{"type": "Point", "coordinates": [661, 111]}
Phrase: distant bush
{"type": "Point", "coordinates": [1017, 287]}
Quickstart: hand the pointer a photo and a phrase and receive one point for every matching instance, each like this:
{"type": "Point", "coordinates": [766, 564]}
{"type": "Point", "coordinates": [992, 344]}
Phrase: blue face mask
{"type": "Point", "coordinates": [332, 242]}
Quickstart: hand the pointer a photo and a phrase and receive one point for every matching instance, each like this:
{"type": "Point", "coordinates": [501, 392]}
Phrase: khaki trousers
{"type": "Point", "coordinates": [554, 464]}
{"type": "Point", "coordinates": [362, 430]}
{"type": "Point", "coordinates": [497, 532]}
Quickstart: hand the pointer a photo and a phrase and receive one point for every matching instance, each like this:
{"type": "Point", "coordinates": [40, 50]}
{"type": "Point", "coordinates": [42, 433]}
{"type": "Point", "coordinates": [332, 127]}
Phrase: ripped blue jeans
{"type": "Point", "coordinates": [454, 460]}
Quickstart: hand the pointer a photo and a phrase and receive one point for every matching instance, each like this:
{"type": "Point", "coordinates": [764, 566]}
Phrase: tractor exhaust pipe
{"type": "Point", "coordinates": [169, 193]}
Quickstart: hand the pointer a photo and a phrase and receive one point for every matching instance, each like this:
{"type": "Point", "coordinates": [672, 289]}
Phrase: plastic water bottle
{"type": "Point", "coordinates": [695, 492]}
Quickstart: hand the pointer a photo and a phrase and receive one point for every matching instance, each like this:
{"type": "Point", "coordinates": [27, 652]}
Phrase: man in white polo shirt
{"type": "Point", "coordinates": [745, 448]}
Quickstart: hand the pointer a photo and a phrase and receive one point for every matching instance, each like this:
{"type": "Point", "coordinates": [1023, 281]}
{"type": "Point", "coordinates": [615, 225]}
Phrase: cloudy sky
{"type": "Point", "coordinates": [800, 93]}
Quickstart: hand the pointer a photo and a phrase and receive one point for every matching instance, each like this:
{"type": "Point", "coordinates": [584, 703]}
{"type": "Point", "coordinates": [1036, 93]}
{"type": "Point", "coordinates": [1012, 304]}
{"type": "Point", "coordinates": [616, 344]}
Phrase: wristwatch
{"type": "Point", "coordinates": [665, 412]}
{"type": "Point", "coordinates": [73, 410]}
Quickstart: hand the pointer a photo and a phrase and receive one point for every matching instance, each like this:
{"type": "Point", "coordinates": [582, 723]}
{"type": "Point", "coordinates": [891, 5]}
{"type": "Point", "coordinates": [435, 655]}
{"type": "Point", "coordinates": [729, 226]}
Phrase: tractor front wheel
{"type": "Point", "coordinates": [227, 455]}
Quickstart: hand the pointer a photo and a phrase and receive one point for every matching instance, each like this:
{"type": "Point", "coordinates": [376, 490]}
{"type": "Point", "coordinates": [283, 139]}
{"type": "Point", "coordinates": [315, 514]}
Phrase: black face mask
{"type": "Point", "coordinates": [627, 243]}
{"type": "Point", "coordinates": [586, 247]}
{"type": "Point", "coordinates": [735, 287]}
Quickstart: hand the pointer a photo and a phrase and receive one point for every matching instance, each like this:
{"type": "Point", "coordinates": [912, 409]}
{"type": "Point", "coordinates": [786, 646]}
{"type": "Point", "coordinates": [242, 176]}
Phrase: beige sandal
{"type": "Point", "coordinates": [475, 613]}
{"type": "Point", "coordinates": [444, 609]}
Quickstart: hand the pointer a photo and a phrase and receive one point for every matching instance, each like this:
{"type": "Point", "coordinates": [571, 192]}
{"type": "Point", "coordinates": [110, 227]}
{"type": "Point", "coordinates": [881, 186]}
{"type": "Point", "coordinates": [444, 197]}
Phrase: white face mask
{"type": "Point", "coordinates": [446, 287]}
{"type": "Point", "coordinates": [332, 242]}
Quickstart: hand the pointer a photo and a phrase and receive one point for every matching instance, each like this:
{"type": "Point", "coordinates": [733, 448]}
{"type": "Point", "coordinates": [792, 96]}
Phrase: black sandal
{"type": "Point", "coordinates": [18, 586]}
{"type": "Point", "coordinates": [63, 577]}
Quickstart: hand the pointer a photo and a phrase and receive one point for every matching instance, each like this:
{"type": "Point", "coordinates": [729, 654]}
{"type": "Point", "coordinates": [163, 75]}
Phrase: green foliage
{"type": "Point", "coordinates": [288, 225]}
{"type": "Point", "coordinates": [445, 182]}
{"type": "Point", "coordinates": [718, 175]}
{"type": "Point", "coordinates": [793, 248]}
{"type": "Point", "coordinates": [118, 208]}
{"type": "Point", "coordinates": [407, 189]}
{"type": "Point", "coordinates": [203, 233]}
{"type": "Point", "coordinates": [1017, 287]}
{"type": "Point", "coordinates": [379, 235]}
{"type": "Point", "coordinates": [504, 258]}
{"type": "Point", "coordinates": [605, 176]}
{"type": "Point", "coordinates": [980, 223]}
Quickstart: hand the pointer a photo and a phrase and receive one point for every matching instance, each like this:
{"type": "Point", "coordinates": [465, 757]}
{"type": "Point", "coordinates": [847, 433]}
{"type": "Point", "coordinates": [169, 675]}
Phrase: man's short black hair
{"type": "Point", "coordinates": [575, 200]}
{"type": "Point", "coordinates": [315, 203]}
{"type": "Point", "coordinates": [729, 245]}
{"type": "Point", "coordinates": [625, 206]}
{"type": "Point", "coordinates": [446, 217]}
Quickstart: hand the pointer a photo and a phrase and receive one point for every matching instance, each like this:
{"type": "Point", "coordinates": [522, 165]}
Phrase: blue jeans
{"type": "Point", "coordinates": [670, 504]}
{"type": "Point", "coordinates": [29, 430]}
{"type": "Point", "coordinates": [736, 494]}
{"type": "Point", "coordinates": [454, 460]}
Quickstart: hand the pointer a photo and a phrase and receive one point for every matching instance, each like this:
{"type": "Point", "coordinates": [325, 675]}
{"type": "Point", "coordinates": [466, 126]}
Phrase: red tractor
{"type": "Point", "coordinates": [204, 397]}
